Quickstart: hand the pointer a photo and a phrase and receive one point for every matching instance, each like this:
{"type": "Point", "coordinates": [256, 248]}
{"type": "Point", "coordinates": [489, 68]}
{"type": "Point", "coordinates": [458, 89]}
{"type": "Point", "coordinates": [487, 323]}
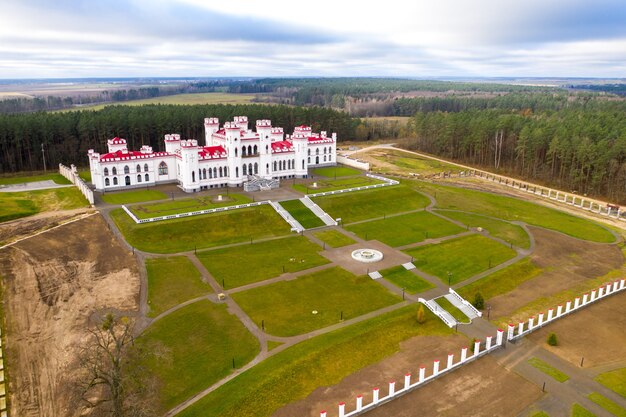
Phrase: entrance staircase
{"type": "Point", "coordinates": [325, 217]}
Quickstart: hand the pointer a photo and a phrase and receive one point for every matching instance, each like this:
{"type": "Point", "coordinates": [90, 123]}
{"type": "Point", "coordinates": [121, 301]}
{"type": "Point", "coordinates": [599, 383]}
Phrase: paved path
{"type": "Point", "coordinates": [32, 186]}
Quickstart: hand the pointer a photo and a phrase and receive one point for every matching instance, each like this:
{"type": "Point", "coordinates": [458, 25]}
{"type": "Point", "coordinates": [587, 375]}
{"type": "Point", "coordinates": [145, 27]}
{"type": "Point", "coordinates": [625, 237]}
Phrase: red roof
{"type": "Point", "coordinates": [118, 141]}
{"type": "Point", "coordinates": [320, 139]}
{"type": "Point", "coordinates": [282, 146]}
{"type": "Point", "coordinates": [221, 132]}
{"type": "Point", "coordinates": [212, 152]}
{"type": "Point", "coordinates": [125, 155]}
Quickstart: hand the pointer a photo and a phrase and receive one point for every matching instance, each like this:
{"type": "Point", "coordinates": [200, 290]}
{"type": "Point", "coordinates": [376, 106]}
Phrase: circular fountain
{"type": "Point", "coordinates": [367, 255]}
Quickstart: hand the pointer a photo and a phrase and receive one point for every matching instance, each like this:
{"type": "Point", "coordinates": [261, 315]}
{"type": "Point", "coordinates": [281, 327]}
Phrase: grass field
{"type": "Point", "coordinates": [193, 348]}
{"type": "Point", "coordinates": [580, 411]}
{"type": "Point", "coordinates": [610, 406]}
{"type": "Point", "coordinates": [325, 360]}
{"type": "Point", "coordinates": [416, 164]}
{"type": "Point", "coordinates": [22, 204]}
{"type": "Point", "coordinates": [302, 214]}
{"type": "Point", "coordinates": [85, 175]}
{"type": "Point", "coordinates": [614, 380]}
{"type": "Point", "coordinates": [502, 281]}
{"type": "Point", "coordinates": [336, 172]}
{"type": "Point", "coordinates": [548, 370]}
{"type": "Point", "coordinates": [185, 205]}
{"type": "Point", "coordinates": [172, 281]}
{"type": "Point", "coordinates": [18, 179]}
{"type": "Point", "coordinates": [463, 257]}
{"type": "Point", "coordinates": [135, 196]}
{"type": "Point", "coordinates": [244, 264]}
{"type": "Point", "coordinates": [369, 204]}
{"type": "Point", "coordinates": [454, 311]}
{"type": "Point", "coordinates": [508, 208]}
{"type": "Point", "coordinates": [183, 99]}
{"type": "Point", "coordinates": [405, 229]}
{"type": "Point", "coordinates": [203, 231]}
{"type": "Point", "coordinates": [286, 307]}
{"type": "Point", "coordinates": [333, 238]}
{"type": "Point", "coordinates": [406, 279]}
{"type": "Point", "coordinates": [323, 185]}
{"type": "Point", "coordinates": [508, 232]}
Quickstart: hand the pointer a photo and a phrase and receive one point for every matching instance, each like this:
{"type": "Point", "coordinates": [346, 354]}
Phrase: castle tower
{"type": "Point", "coordinates": [189, 176]}
{"type": "Point", "coordinates": [241, 122]}
{"type": "Point", "coordinates": [300, 145]}
{"type": "Point", "coordinates": [172, 143]}
{"type": "Point", "coordinates": [211, 125]}
{"type": "Point", "coordinates": [264, 128]}
{"type": "Point", "coordinates": [233, 149]}
{"type": "Point", "coordinates": [117, 144]}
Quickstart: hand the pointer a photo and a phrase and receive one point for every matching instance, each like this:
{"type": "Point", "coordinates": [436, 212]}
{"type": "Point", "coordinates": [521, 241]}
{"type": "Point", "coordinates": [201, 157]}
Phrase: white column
{"type": "Point", "coordinates": [509, 334]}
{"type": "Point", "coordinates": [520, 328]}
{"type": "Point", "coordinates": [559, 310]}
{"type": "Point", "coordinates": [593, 295]}
{"type": "Point", "coordinates": [540, 319]}
{"type": "Point", "coordinates": [585, 298]}
{"type": "Point", "coordinates": [476, 347]}
{"type": "Point", "coordinates": [422, 373]}
{"type": "Point", "coordinates": [615, 286]}
{"type": "Point", "coordinates": [342, 409]}
{"type": "Point", "coordinates": [392, 388]}
{"type": "Point", "coordinates": [622, 283]}
{"type": "Point", "coordinates": [576, 302]}
{"type": "Point", "coordinates": [488, 342]}
{"type": "Point", "coordinates": [600, 292]}
{"type": "Point", "coordinates": [322, 413]}
{"type": "Point", "coordinates": [435, 367]}
{"type": "Point", "coordinates": [463, 354]}
{"type": "Point", "coordinates": [499, 337]}
{"type": "Point", "coordinates": [450, 360]}
{"type": "Point", "coordinates": [531, 322]}
{"type": "Point", "coordinates": [407, 381]}
{"type": "Point", "coordinates": [359, 402]}
{"type": "Point", "coordinates": [609, 289]}
{"type": "Point", "coordinates": [568, 306]}
{"type": "Point", "coordinates": [550, 314]}
{"type": "Point", "coordinates": [375, 393]}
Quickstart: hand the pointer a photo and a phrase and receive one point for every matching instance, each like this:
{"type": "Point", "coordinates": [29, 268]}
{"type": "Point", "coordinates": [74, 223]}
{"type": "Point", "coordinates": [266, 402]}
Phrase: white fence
{"type": "Point", "coordinates": [422, 379]}
{"type": "Point", "coordinates": [191, 213]}
{"type": "Point", "coordinates": [439, 312]}
{"type": "Point", "coordinates": [466, 304]}
{"type": "Point", "coordinates": [514, 332]}
{"type": "Point", "coordinates": [72, 175]}
{"type": "Point", "coordinates": [355, 163]}
{"type": "Point", "coordinates": [387, 183]}
{"type": "Point", "coordinates": [295, 225]}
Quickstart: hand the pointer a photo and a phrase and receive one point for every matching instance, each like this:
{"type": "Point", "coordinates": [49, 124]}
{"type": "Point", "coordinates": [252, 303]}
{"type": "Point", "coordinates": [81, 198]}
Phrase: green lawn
{"type": "Point", "coordinates": [508, 208]}
{"type": "Point", "coordinates": [502, 281]}
{"type": "Point", "coordinates": [416, 164]}
{"type": "Point", "coordinates": [302, 214]}
{"type": "Point", "coordinates": [580, 411]}
{"type": "Point", "coordinates": [614, 380]}
{"type": "Point", "coordinates": [134, 196]}
{"type": "Point", "coordinates": [286, 307]}
{"type": "Point", "coordinates": [369, 204]}
{"type": "Point", "coordinates": [193, 348]}
{"type": "Point", "coordinates": [454, 311]}
{"type": "Point", "coordinates": [322, 361]}
{"type": "Point", "coordinates": [185, 205]}
{"type": "Point", "coordinates": [508, 232]}
{"type": "Point", "coordinates": [406, 279]}
{"type": "Point", "coordinates": [462, 257]}
{"type": "Point", "coordinates": [203, 231]}
{"type": "Point", "coordinates": [324, 185]}
{"type": "Point", "coordinates": [22, 204]}
{"type": "Point", "coordinates": [336, 172]}
{"type": "Point", "coordinates": [333, 238]}
{"type": "Point", "coordinates": [17, 179]}
{"type": "Point", "coordinates": [610, 406]}
{"type": "Point", "coordinates": [172, 281]}
{"type": "Point", "coordinates": [405, 229]}
{"type": "Point", "coordinates": [548, 370]}
{"type": "Point", "coordinates": [244, 264]}
{"type": "Point", "coordinates": [85, 175]}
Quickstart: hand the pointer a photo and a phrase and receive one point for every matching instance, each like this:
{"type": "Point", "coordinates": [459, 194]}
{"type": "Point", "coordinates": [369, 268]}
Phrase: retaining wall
{"type": "Point", "coordinates": [72, 175]}
{"type": "Point", "coordinates": [355, 163]}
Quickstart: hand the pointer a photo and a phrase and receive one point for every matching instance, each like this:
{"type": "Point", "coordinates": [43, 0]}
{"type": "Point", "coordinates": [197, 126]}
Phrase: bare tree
{"type": "Point", "coordinates": [113, 383]}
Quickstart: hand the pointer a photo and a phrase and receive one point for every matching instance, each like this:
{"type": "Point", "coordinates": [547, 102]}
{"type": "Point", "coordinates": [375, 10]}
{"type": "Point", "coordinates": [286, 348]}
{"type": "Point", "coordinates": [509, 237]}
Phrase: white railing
{"type": "Point", "coordinates": [317, 210]}
{"type": "Point", "coordinates": [295, 225]}
{"type": "Point", "coordinates": [387, 182]}
{"type": "Point", "coordinates": [191, 213]}
{"type": "Point", "coordinates": [464, 302]}
{"type": "Point", "coordinates": [439, 312]}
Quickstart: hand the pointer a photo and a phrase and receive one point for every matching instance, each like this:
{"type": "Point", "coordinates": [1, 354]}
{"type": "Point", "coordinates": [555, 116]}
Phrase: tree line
{"type": "Point", "coordinates": [66, 137]}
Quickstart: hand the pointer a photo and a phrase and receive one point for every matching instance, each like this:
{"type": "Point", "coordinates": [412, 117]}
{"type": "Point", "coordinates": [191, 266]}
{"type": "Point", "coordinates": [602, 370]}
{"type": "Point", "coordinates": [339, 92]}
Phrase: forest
{"type": "Point", "coordinates": [66, 137]}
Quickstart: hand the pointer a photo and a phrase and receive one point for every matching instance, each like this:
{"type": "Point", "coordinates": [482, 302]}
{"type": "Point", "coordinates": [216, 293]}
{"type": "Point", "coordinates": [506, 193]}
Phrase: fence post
{"type": "Point", "coordinates": [568, 306]}
{"type": "Point", "coordinates": [593, 295]}
{"type": "Point", "coordinates": [520, 328]}
{"type": "Point", "coordinates": [407, 381]}
{"type": "Point", "coordinates": [499, 337]}
{"type": "Point", "coordinates": [375, 395]}
{"type": "Point", "coordinates": [576, 302]}
{"type": "Point", "coordinates": [322, 413]}
{"type": "Point", "coordinates": [422, 373]}
{"type": "Point", "coordinates": [540, 319]}
{"type": "Point", "coordinates": [476, 347]}
{"type": "Point", "coordinates": [342, 409]}
{"type": "Point", "coordinates": [463, 354]}
{"type": "Point", "coordinates": [435, 368]}
{"type": "Point", "coordinates": [550, 314]}
{"type": "Point", "coordinates": [488, 342]}
{"type": "Point", "coordinates": [359, 402]}
{"type": "Point", "coordinates": [509, 335]}
{"type": "Point", "coordinates": [450, 360]}
{"type": "Point", "coordinates": [392, 388]}
{"type": "Point", "coordinates": [531, 322]}
{"type": "Point", "coordinates": [559, 310]}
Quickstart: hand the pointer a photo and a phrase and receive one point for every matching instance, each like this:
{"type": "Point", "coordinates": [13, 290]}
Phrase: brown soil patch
{"type": "Point", "coordinates": [53, 283]}
{"type": "Point", "coordinates": [479, 389]}
{"type": "Point", "coordinates": [597, 333]}
{"type": "Point", "coordinates": [566, 262]}
{"type": "Point", "coordinates": [19, 228]}
{"type": "Point", "coordinates": [413, 353]}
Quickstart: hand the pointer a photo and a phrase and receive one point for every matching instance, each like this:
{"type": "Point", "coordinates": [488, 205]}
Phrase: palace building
{"type": "Point", "coordinates": [231, 156]}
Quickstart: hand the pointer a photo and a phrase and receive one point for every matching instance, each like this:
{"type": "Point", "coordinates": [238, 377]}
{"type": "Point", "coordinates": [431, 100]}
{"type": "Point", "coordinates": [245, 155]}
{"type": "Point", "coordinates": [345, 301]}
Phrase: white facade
{"type": "Point", "coordinates": [229, 156]}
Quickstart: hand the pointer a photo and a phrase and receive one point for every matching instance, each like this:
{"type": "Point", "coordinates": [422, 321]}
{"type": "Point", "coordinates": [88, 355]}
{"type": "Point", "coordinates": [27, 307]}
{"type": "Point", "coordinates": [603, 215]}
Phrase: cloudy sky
{"type": "Point", "coordinates": [124, 38]}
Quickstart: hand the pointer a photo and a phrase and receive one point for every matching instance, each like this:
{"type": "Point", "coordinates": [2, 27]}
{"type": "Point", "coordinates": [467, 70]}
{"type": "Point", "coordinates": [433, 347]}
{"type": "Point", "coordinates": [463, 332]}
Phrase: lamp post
{"type": "Point", "coordinates": [449, 278]}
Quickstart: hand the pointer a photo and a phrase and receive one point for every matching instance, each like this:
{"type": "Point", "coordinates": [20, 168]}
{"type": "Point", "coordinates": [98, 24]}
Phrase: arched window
{"type": "Point", "coordinates": [225, 171]}
{"type": "Point", "coordinates": [114, 170]}
{"type": "Point", "coordinates": [127, 180]}
{"type": "Point", "coordinates": [221, 172]}
{"type": "Point", "coordinates": [126, 169]}
{"type": "Point", "coordinates": [255, 149]}
{"type": "Point", "coordinates": [147, 177]}
{"type": "Point", "coordinates": [249, 149]}
{"type": "Point", "coordinates": [138, 168]}
{"type": "Point", "coordinates": [193, 176]}
{"type": "Point", "coordinates": [114, 180]}
{"type": "Point", "coordinates": [237, 172]}
{"type": "Point", "coordinates": [235, 151]}
{"type": "Point", "coordinates": [214, 172]}
{"type": "Point", "coordinates": [245, 169]}
{"type": "Point", "coordinates": [107, 182]}
{"type": "Point", "coordinates": [303, 164]}
{"type": "Point", "coordinates": [199, 174]}
{"type": "Point", "coordinates": [324, 157]}
{"type": "Point", "coordinates": [204, 173]}
{"type": "Point", "coordinates": [317, 151]}
{"type": "Point", "coordinates": [162, 168]}
{"type": "Point", "coordinates": [309, 151]}
{"type": "Point", "coordinates": [267, 169]}
{"type": "Point", "coordinates": [210, 173]}
{"type": "Point", "coordinates": [256, 168]}
{"type": "Point", "coordinates": [106, 172]}
{"type": "Point", "coordinates": [250, 171]}
{"type": "Point", "coordinates": [309, 159]}
{"type": "Point", "coordinates": [139, 178]}
{"type": "Point", "coordinates": [267, 148]}
{"type": "Point", "coordinates": [275, 166]}
{"type": "Point", "coordinates": [293, 164]}
{"type": "Point", "coordinates": [145, 167]}
{"type": "Point", "coordinates": [243, 152]}
{"type": "Point", "coordinates": [317, 160]}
